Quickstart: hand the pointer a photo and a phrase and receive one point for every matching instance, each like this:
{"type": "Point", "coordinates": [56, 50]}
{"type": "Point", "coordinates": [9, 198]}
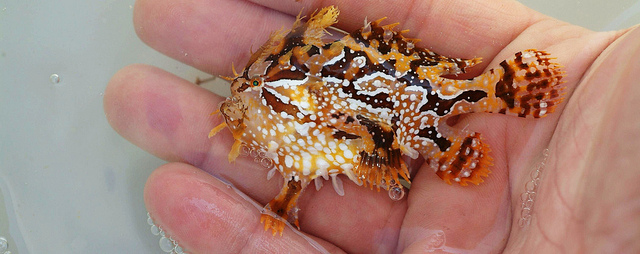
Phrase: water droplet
{"type": "Point", "coordinates": [54, 78]}
{"type": "Point", "coordinates": [165, 244]}
{"type": "Point", "coordinates": [178, 250]}
{"type": "Point", "coordinates": [396, 193]}
{"type": "Point", "coordinates": [4, 245]}
{"type": "Point", "coordinates": [149, 220]}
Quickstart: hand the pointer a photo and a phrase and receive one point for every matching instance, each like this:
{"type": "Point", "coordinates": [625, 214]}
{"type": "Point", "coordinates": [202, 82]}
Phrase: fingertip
{"type": "Point", "coordinates": [195, 210]}
{"type": "Point", "coordinates": [131, 104]}
{"type": "Point", "coordinates": [116, 94]}
{"type": "Point", "coordinates": [160, 112]}
{"type": "Point", "coordinates": [207, 35]}
{"type": "Point", "coordinates": [156, 21]}
{"type": "Point", "coordinates": [205, 215]}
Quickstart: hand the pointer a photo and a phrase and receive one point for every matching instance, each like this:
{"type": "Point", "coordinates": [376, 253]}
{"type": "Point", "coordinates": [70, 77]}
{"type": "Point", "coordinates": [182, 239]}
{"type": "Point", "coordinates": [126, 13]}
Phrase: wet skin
{"type": "Point", "coordinates": [587, 199]}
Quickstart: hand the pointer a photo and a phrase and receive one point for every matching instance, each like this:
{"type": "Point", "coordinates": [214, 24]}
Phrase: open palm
{"type": "Point", "coordinates": [587, 197]}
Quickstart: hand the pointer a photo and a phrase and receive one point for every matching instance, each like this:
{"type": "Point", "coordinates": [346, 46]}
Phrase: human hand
{"type": "Point", "coordinates": [586, 199]}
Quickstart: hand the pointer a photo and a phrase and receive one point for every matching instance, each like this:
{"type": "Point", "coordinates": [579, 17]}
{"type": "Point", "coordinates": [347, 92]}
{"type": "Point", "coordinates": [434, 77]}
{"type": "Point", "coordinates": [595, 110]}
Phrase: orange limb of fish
{"type": "Point", "coordinates": [226, 78]}
{"type": "Point", "coordinates": [217, 129]}
{"type": "Point", "coordinates": [466, 161]}
{"type": "Point", "coordinates": [235, 150]}
{"type": "Point", "coordinates": [283, 208]}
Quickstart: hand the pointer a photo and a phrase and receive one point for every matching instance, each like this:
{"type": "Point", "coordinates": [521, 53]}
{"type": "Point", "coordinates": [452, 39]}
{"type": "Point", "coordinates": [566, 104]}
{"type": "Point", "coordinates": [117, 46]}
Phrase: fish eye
{"type": "Point", "coordinates": [255, 83]}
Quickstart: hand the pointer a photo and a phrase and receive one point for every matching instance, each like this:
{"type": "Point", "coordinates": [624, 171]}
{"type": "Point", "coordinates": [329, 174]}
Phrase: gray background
{"type": "Point", "coordinates": [68, 182]}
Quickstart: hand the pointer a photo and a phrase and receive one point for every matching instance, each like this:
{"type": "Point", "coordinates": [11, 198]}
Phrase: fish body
{"type": "Point", "coordinates": [319, 108]}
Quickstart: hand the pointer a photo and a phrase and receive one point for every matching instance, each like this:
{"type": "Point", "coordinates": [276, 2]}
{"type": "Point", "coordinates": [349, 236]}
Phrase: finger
{"type": "Point", "coordinates": [161, 113]}
{"type": "Point", "coordinates": [203, 215]}
{"type": "Point", "coordinates": [453, 28]}
{"type": "Point", "coordinates": [169, 117]}
{"type": "Point", "coordinates": [590, 169]}
{"type": "Point", "coordinates": [472, 218]}
{"type": "Point", "coordinates": [478, 217]}
{"type": "Point", "coordinates": [361, 221]}
{"type": "Point", "coordinates": [209, 35]}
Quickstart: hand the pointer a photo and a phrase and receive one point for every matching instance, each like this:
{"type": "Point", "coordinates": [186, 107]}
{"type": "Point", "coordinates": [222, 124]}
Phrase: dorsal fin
{"type": "Point", "coordinates": [301, 33]}
{"type": "Point", "coordinates": [393, 45]}
{"type": "Point", "coordinates": [314, 29]}
{"type": "Point", "coordinates": [265, 50]}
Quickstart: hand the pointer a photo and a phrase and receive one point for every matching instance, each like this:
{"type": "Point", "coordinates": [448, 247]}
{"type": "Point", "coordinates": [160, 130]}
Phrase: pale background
{"type": "Point", "coordinates": [68, 182]}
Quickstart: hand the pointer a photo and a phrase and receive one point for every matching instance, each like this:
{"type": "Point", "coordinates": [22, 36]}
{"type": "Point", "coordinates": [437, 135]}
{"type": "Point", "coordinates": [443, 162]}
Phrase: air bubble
{"type": "Point", "coordinates": [528, 198]}
{"type": "Point", "coordinates": [267, 163]}
{"type": "Point", "coordinates": [436, 241]}
{"type": "Point", "coordinates": [396, 193]}
{"type": "Point", "coordinates": [165, 244]}
{"type": "Point", "coordinates": [149, 220]}
{"type": "Point", "coordinates": [535, 174]}
{"type": "Point", "coordinates": [155, 230]}
{"type": "Point", "coordinates": [524, 221]}
{"type": "Point", "coordinates": [54, 78]}
{"type": "Point", "coordinates": [253, 153]}
{"type": "Point", "coordinates": [531, 185]}
{"type": "Point", "coordinates": [4, 244]}
{"type": "Point", "coordinates": [528, 203]}
{"type": "Point", "coordinates": [244, 151]}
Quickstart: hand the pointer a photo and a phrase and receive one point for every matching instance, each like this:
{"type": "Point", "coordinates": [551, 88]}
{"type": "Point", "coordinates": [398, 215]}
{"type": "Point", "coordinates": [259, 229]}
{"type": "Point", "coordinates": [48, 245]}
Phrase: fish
{"type": "Point", "coordinates": [319, 107]}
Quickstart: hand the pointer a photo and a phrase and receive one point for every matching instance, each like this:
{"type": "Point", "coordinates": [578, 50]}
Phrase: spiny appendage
{"type": "Point", "coordinates": [466, 161]}
{"type": "Point", "coordinates": [310, 32]}
{"type": "Point", "coordinates": [428, 64]}
{"type": "Point", "coordinates": [381, 168]}
{"type": "Point", "coordinates": [283, 207]}
{"type": "Point", "coordinates": [232, 113]}
{"type": "Point", "coordinates": [315, 27]}
{"type": "Point", "coordinates": [529, 84]}
{"type": "Point", "coordinates": [218, 127]}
